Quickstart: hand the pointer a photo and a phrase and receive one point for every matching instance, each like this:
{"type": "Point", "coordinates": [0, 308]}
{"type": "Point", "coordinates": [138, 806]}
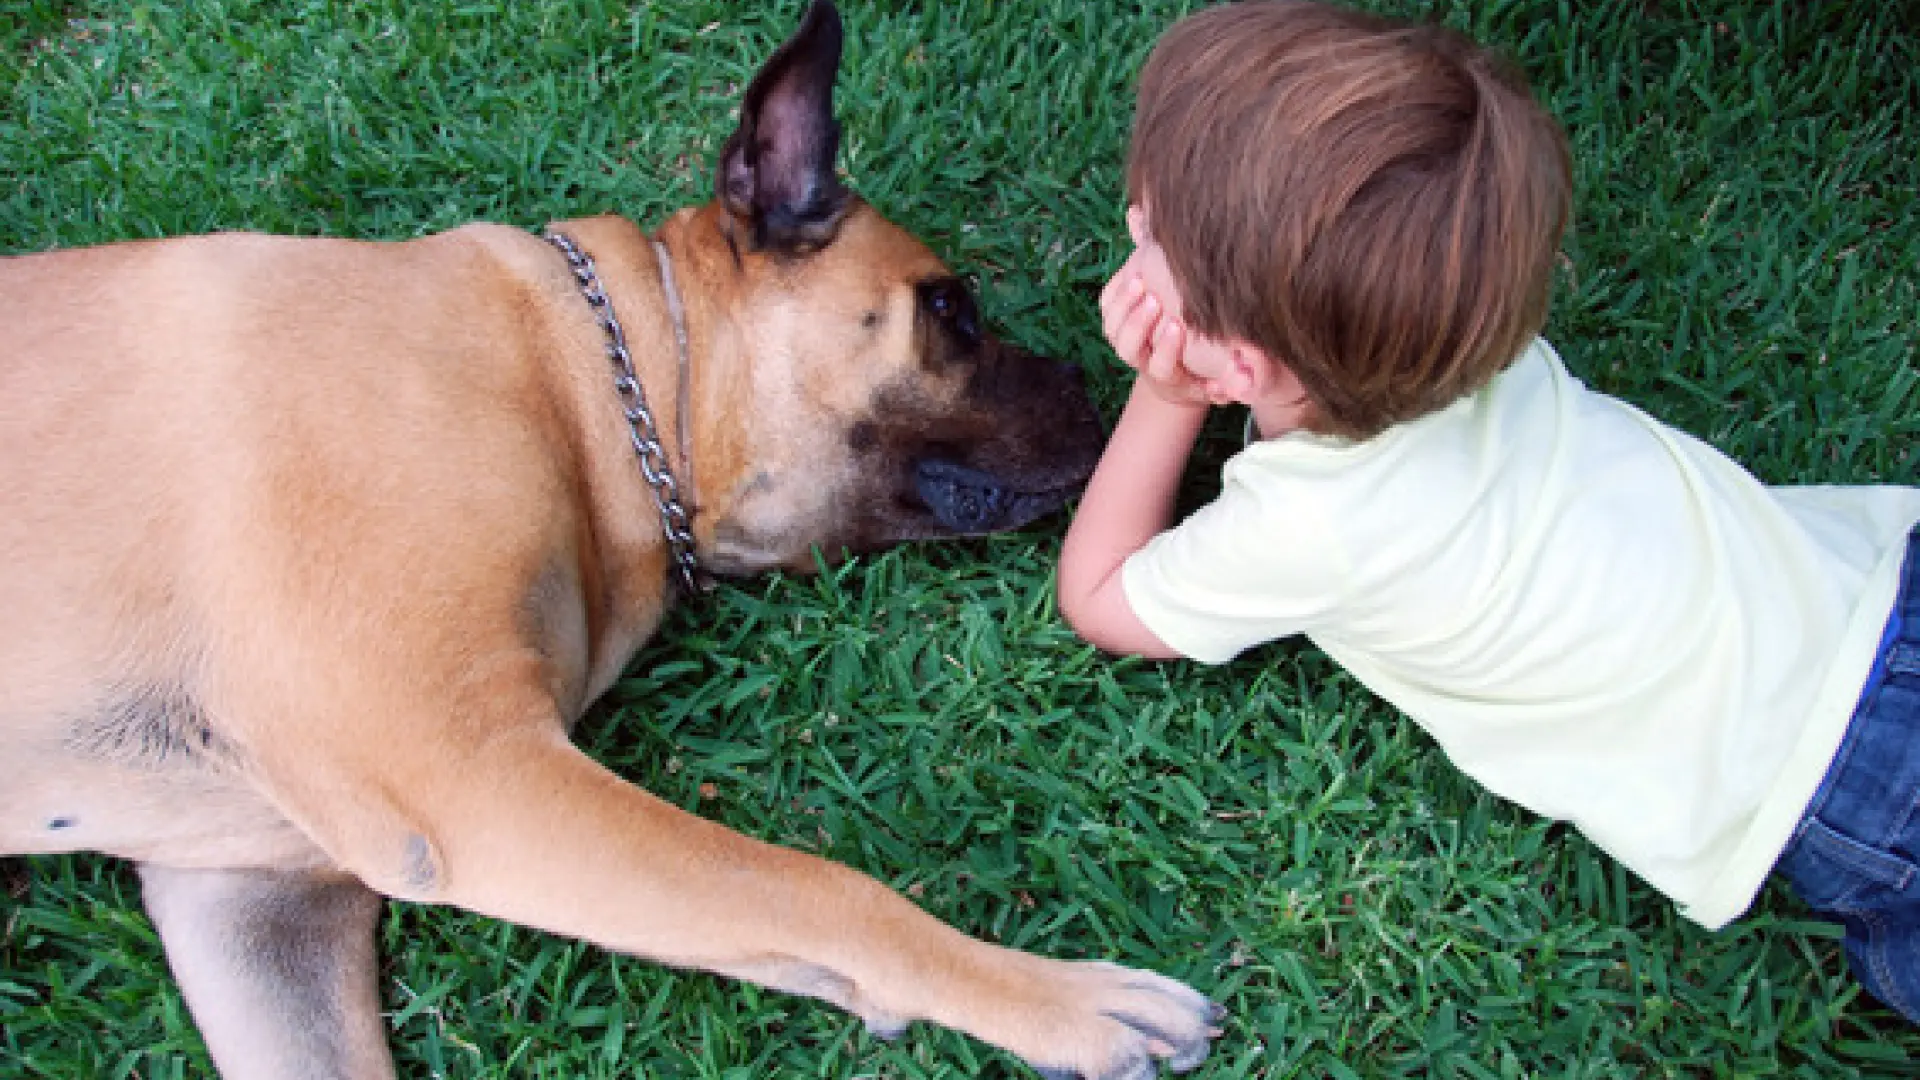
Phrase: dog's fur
{"type": "Point", "coordinates": [316, 550]}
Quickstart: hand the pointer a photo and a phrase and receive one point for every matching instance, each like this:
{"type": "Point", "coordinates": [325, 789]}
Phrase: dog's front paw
{"type": "Point", "coordinates": [1107, 1022]}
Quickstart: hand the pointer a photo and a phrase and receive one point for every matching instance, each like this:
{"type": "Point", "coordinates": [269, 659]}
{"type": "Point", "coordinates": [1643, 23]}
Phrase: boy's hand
{"type": "Point", "coordinates": [1148, 340]}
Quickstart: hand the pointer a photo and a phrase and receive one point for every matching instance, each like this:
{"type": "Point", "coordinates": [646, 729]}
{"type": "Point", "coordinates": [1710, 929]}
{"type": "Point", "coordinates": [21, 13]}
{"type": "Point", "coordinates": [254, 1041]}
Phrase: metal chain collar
{"type": "Point", "coordinates": [674, 521]}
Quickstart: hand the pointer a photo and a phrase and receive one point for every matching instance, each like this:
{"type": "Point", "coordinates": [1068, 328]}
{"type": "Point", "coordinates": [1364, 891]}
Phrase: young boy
{"type": "Point", "coordinates": [1350, 225]}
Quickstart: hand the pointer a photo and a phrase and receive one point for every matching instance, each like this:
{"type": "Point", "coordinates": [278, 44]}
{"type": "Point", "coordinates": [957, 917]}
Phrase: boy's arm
{"type": "Point", "coordinates": [1127, 503]}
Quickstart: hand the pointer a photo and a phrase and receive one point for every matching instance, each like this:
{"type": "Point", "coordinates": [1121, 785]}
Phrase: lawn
{"type": "Point", "coordinates": [1744, 262]}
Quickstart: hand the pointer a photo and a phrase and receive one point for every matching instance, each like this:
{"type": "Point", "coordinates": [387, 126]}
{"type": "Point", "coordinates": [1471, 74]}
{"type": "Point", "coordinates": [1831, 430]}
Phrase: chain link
{"type": "Point", "coordinates": [674, 522]}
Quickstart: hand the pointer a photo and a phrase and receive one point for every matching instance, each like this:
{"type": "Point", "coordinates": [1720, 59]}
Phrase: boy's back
{"type": "Point", "coordinates": [1597, 616]}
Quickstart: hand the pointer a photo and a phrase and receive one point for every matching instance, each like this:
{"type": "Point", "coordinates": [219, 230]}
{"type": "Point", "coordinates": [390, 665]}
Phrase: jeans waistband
{"type": "Point", "coordinates": [1904, 617]}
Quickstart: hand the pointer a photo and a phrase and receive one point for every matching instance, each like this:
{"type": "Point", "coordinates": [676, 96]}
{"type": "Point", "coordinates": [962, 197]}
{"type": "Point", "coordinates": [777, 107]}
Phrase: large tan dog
{"type": "Point", "coordinates": [315, 550]}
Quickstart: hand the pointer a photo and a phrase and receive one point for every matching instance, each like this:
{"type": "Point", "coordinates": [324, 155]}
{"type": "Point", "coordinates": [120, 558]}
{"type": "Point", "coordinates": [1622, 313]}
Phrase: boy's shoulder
{"type": "Point", "coordinates": [1532, 385]}
{"type": "Point", "coordinates": [1418, 475]}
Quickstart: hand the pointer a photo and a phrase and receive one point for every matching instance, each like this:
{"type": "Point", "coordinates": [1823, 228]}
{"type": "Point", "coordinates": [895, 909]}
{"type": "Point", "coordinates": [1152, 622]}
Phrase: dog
{"type": "Point", "coordinates": [317, 550]}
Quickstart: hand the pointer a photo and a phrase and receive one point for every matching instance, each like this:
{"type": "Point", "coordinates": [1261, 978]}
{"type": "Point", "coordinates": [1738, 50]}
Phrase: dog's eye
{"type": "Point", "coordinates": [948, 301]}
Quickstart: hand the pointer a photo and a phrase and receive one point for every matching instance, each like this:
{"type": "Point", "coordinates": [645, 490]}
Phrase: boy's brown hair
{"type": "Point", "coordinates": [1376, 204]}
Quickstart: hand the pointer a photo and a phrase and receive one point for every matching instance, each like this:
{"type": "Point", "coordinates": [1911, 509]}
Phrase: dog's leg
{"type": "Point", "coordinates": [514, 822]}
{"type": "Point", "coordinates": [278, 969]}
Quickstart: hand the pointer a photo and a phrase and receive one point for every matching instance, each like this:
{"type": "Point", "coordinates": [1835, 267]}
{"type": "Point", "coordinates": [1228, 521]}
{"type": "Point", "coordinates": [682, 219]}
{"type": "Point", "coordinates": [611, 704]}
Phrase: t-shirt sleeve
{"type": "Point", "coordinates": [1250, 567]}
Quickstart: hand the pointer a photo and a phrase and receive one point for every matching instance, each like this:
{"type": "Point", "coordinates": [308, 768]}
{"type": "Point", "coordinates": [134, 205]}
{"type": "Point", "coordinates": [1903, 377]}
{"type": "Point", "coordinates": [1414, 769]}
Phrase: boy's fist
{"type": "Point", "coordinates": [1148, 339]}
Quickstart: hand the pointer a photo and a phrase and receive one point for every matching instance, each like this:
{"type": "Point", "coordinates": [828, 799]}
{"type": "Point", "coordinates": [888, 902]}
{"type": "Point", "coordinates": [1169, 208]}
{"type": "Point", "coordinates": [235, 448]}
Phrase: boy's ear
{"type": "Point", "coordinates": [776, 170]}
{"type": "Point", "coordinates": [1253, 375]}
{"type": "Point", "coordinates": [1255, 378]}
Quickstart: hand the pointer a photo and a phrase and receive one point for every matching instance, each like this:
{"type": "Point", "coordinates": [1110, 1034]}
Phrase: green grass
{"type": "Point", "coordinates": [1744, 262]}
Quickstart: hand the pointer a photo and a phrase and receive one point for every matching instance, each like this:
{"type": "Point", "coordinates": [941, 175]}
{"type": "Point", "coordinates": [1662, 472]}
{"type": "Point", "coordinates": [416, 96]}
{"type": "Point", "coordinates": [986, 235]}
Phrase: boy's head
{"type": "Point", "coordinates": [1374, 204]}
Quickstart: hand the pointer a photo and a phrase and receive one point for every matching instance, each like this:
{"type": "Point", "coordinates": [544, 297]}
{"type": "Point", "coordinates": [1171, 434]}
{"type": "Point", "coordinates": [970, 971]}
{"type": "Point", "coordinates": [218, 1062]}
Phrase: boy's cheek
{"type": "Point", "coordinates": [1130, 268]}
{"type": "Point", "coordinates": [1206, 357]}
{"type": "Point", "coordinates": [1151, 263]}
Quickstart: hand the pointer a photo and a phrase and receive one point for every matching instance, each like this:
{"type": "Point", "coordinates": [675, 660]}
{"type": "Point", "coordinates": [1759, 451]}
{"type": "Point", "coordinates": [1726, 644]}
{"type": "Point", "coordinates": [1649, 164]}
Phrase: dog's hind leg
{"type": "Point", "coordinates": [278, 969]}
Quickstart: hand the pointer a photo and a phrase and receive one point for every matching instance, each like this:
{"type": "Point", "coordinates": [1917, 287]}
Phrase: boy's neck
{"type": "Point", "coordinates": [1274, 418]}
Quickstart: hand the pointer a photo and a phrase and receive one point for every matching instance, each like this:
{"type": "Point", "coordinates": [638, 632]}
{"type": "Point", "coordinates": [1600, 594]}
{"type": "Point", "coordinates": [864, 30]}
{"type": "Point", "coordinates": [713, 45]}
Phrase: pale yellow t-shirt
{"type": "Point", "coordinates": [1596, 616]}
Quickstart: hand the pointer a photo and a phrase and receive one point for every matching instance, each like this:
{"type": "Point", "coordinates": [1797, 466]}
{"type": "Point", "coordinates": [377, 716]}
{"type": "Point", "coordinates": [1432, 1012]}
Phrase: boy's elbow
{"type": "Point", "coordinates": [1072, 605]}
{"type": "Point", "coordinates": [1089, 630]}
{"type": "Point", "coordinates": [1102, 618]}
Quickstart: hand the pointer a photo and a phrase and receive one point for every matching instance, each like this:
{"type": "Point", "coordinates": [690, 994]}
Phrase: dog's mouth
{"type": "Point", "coordinates": [970, 502]}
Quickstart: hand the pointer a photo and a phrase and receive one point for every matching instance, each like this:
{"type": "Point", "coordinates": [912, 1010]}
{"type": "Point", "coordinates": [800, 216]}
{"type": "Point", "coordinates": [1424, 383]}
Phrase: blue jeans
{"type": "Point", "coordinates": [1855, 857]}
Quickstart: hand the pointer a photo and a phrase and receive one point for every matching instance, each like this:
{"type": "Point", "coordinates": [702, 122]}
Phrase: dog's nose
{"type": "Point", "coordinates": [964, 500]}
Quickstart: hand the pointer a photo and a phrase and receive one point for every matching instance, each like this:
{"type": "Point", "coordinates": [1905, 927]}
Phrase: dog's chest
{"type": "Point", "coordinates": [145, 780]}
{"type": "Point", "coordinates": [174, 817]}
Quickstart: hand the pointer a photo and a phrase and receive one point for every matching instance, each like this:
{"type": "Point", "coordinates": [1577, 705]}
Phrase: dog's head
{"type": "Point", "coordinates": [848, 394]}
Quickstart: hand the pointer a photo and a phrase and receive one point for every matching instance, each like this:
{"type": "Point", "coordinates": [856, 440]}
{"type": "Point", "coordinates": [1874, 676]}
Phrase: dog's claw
{"type": "Point", "coordinates": [1181, 1055]}
{"type": "Point", "coordinates": [1137, 1069]}
{"type": "Point", "coordinates": [1137, 1021]}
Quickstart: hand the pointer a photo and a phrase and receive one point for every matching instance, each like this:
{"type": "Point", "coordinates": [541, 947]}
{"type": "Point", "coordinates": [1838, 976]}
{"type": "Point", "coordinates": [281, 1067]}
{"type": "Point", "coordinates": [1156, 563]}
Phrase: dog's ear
{"type": "Point", "coordinates": [776, 169]}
